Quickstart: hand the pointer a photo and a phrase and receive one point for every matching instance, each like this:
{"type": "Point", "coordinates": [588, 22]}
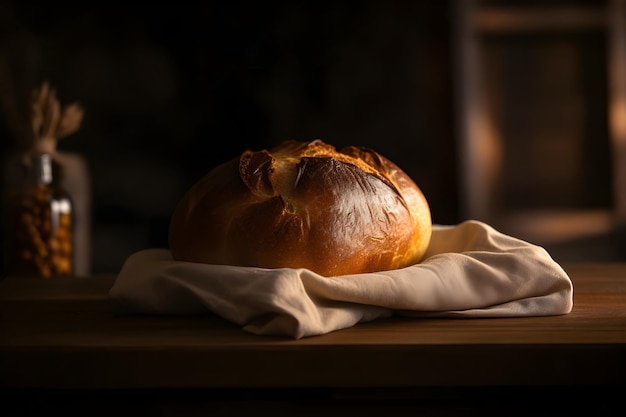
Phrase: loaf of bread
{"type": "Point", "coordinates": [304, 205]}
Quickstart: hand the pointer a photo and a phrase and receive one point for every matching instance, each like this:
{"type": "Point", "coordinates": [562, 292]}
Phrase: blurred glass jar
{"type": "Point", "coordinates": [35, 167]}
{"type": "Point", "coordinates": [40, 222]}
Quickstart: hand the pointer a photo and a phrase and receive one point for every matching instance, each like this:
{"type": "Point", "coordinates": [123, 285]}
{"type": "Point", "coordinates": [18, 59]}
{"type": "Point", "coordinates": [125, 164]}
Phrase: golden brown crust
{"type": "Point", "coordinates": [304, 205]}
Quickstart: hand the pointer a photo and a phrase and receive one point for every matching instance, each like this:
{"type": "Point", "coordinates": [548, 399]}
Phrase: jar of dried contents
{"type": "Point", "coordinates": [40, 223]}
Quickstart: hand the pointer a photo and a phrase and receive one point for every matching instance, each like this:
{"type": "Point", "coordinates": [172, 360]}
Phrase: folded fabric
{"type": "Point", "coordinates": [470, 270]}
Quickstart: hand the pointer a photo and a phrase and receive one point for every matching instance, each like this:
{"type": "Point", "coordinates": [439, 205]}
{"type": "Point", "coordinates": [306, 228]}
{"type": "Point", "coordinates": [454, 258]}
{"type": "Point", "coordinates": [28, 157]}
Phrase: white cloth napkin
{"type": "Point", "coordinates": [470, 270]}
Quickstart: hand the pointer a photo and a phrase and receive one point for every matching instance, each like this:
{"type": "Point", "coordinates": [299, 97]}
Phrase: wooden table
{"type": "Point", "coordinates": [62, 347]}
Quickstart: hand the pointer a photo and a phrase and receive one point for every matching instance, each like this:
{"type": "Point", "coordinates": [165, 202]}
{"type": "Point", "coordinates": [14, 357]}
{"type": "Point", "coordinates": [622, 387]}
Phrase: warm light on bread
{"type": "Point", "coordinates": [304, 205]}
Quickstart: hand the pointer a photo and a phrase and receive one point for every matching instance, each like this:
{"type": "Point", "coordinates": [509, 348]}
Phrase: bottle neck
{"type": "Point", "coordinates": [43, 169]}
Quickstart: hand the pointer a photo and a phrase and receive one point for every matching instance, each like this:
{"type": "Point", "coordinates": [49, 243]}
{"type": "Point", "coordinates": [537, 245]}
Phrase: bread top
{"type": "Point", "coordinates": [304, 205]}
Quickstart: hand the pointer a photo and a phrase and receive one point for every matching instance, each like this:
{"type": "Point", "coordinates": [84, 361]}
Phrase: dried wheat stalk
{"type": "Point", "coordinates": [49, 121]}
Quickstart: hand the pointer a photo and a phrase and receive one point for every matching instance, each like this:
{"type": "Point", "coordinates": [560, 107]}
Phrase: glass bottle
{"type": "Point", "coordinates": [40, 223]}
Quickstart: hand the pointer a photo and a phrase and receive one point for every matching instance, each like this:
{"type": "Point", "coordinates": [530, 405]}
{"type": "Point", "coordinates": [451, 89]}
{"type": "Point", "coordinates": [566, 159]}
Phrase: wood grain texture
{"type": "Point", "coordinates": [61, 334]}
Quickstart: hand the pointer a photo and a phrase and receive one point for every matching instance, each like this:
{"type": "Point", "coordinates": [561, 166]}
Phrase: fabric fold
{"type": "Point", "coordinates": [470, 270]}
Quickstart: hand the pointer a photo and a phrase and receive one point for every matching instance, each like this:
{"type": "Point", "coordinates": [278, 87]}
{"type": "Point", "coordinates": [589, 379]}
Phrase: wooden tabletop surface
{"type": "Point", "coordinates": [61, 333]}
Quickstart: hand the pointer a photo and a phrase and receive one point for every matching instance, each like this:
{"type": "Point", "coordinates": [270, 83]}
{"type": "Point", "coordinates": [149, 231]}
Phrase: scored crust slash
{"type": "Point", "coordinates": [304, 205]}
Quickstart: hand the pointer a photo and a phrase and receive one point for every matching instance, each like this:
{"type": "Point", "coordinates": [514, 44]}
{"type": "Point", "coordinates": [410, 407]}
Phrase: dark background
{"type": "Point", "coordinates": [172, 88]}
